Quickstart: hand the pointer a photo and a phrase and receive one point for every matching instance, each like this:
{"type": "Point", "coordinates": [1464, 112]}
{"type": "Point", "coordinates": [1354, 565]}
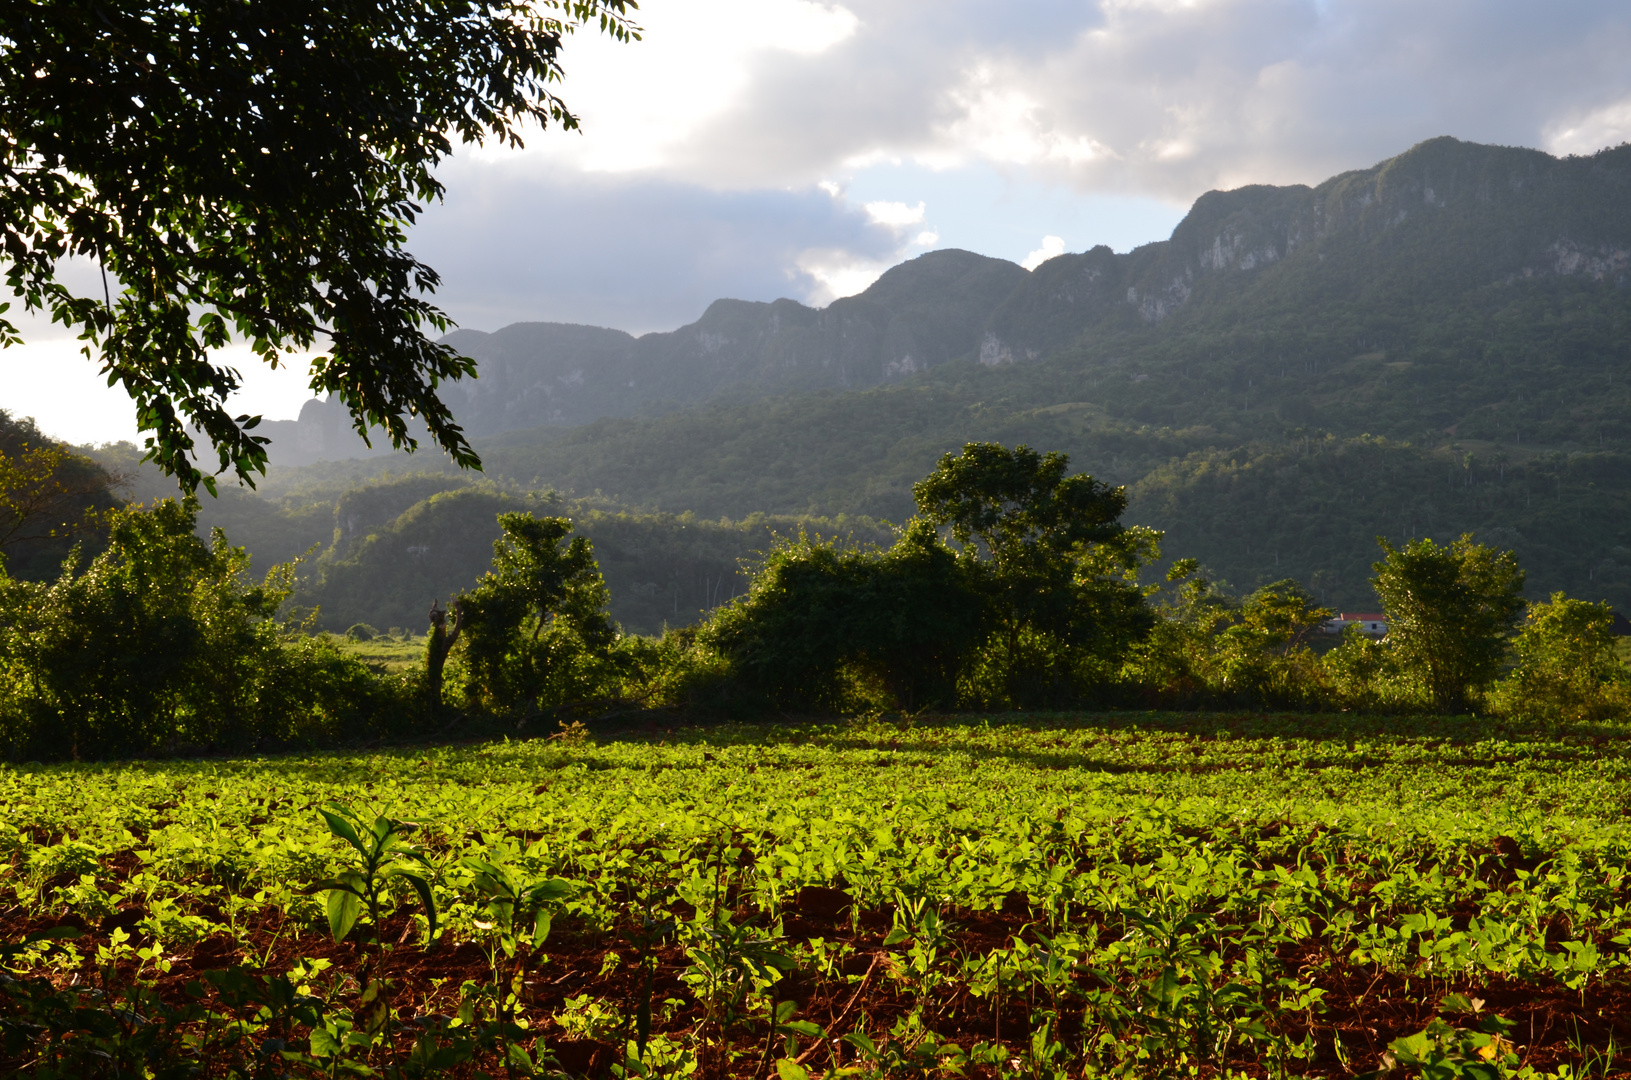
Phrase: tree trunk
{"type": "Point", "coordinates": [440, 642]}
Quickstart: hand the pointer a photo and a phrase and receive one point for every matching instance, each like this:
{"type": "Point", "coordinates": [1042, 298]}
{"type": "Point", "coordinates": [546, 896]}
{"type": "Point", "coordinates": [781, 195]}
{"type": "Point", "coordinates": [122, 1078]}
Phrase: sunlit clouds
{"type": "Point", "coordinates": [1052, 246]}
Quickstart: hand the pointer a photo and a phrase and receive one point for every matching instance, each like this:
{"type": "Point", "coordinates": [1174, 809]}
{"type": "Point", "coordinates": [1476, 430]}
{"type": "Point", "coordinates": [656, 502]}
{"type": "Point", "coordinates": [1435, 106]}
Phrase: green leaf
{"type": "Point", "coordinates": [787, 1069]}
{"type": "Point", "coordinates": [552, 890]}
{"type": "Point", "coordinates": [1411, 1049]}
{"type": "Point", "coordinates": [324, 1043]}
{"type": "Point", "coordinates": [343, 908]}
{"type": "Point", "coordinates": [50, 933]}
{"type": "Point", "coordinates": [422, 887]}
{"type": "Point", "coordinates": [340, 827]}
{"type": "Point", "coordinates": [896, 936]}
{"type": "Point", "coordinates": [347, 882]}
{"type": "Point", "coordinates": [863, 1042]}
{"type": "Point", "coordinates": [540, 928]}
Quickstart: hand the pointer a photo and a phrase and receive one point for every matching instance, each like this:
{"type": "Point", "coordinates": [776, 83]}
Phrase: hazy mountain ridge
{"type": "Point", "coordinates": [1468, 304]}
{"type": "Point", "coordinates": [1443, 218]}
{"type": "Point", "coordinates": [917, 315]}
{"type": "Point", "coordinates": [1442, 221]}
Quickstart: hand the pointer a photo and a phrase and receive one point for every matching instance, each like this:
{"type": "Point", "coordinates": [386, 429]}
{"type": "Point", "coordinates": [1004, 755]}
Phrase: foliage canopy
{"type": "Point", "coordinates": [163, 642]}
{"type": "Point", "coordinates": [1449, 611]}
{"type": "Point", "coordinates": [534, 621]}
{"type": "Point", "coordinates": [48, 496]}
{"type": "Point", "coordinates": [250, 171]}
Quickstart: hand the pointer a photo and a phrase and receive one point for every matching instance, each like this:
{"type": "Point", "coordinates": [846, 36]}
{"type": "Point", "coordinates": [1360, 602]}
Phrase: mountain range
{"type": "Point", "coordinates": [1433, 345]}
{"type": "Point", "coordinates": [1501, 237]}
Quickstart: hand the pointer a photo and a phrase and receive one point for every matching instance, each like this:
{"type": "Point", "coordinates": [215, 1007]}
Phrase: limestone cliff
{"type": "Point", "coordinates": [1429, 225]}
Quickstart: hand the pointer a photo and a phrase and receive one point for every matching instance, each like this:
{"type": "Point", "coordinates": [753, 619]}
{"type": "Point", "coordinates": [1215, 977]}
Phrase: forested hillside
{"type": "Point", "coordinates": [661, 569]}
{"type": "Point", "coordinates": [1454, 286]}
{"type": "Point", "coordinates": [378, 549]}
{"type": "Point", "coordinates": [921, 313]}
{"type": "Point", "coordinates": [1300, 504]}
{"type": "Point", "coordinates": [1434, 345]}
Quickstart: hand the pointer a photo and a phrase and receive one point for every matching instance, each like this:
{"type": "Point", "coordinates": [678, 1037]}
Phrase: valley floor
{"type": "Point", "coordinates": [1140, 894]}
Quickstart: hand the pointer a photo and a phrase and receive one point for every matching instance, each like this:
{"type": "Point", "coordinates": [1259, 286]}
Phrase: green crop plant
{"type": "Point", "coordinates": [383, 856]}
{"type": "Point", "coordinates": [1447, 1051]}
{"type": "Point", "coordinates": [925, 968]}
{"type": "Point", "coordinates": [1137, 894]}
{"type": "Point", "coordinates": [730, 966]}
{"type": "Point", "coordinates": [790, 1031]}
{"type": "Point", "coordinates": [516, 912]}
{"type": "Point", "coordinates": [908, 1049]}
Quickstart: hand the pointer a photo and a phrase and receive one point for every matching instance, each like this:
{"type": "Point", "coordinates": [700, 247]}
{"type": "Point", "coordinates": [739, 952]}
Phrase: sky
{"type": "Point", "coordinates": [764, 148]}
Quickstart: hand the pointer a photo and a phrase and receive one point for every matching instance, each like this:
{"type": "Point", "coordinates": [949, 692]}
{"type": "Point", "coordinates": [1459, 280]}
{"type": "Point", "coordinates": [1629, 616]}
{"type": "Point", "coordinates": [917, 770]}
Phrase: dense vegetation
{"type": "Point", "coordinates": [1429, 347]}
{"type": "Point", "coordinates": [1302, 504]}
{"type": "Point", "coordinates": [378, 550]}
{"type": "Point", "coordinates": [1017, 585]}
{"type": "Point", "coordinates": [1127, 895]}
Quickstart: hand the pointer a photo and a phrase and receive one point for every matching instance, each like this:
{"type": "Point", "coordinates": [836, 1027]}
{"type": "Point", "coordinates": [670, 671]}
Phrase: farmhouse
{"type": "Point", "coordinates": [1371, 623]}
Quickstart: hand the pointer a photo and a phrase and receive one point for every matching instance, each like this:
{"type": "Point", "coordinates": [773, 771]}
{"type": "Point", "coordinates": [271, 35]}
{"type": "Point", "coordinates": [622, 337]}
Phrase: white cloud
{"type": "Point", "coordinates": [1051, 246]}
{"type": "Point", "coordinates": [1607, 126]}
{"type": "Point", "coordinates": [1164, 97]}
{"type": "Point", "coordinates": [640, 253]}
{"type": "Point", "coordinates": [1003, 124]}
{"type": "Point", "coordinates": [838, 273]}
{"type": "Point", "coordinates": [895, 214]}
{"type": "Point", "coordinates": [640, 102]}
{"type": "Point", "coordinates": [49, 379]}
{"type": "Point", "coordinates": [927, 238]}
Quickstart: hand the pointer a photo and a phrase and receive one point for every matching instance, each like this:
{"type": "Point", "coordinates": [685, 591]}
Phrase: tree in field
{"type": "Point", "coordinates": [1264, 656]}
{"type": "Point", "coordinates": [439, 641]}
{"type": "Point", "coordinates": [819, 621]}
{"type": "Point", "coordinates": [535, 629]}
{"type": "Point", "coordinates": [1057, 566]}
{"type": "Point", "coordinates": [1449, 612]}
{"type": "Point", "coordinates": [163, 640]}
{"type": "Point", "coordinates": [249, 171]}
{"type": "Point", "coordinates": [1567, 667]}
{"type": "Point", "coordinates": [1210, 648]}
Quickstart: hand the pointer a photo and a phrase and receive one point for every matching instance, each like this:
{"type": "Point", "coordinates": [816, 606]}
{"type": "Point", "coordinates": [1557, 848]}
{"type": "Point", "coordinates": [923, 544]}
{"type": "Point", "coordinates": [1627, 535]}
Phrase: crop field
{"type": "Point", "coordinates": [1060, 896]}
{"type": "Point", "coordinates": [385, 654]}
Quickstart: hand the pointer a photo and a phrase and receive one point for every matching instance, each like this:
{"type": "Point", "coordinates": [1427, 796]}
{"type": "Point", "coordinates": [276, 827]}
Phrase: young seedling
{"type": "Point", "coordinates": [383, 856]}
{"type": "Point", "coordinates": [518, 912]}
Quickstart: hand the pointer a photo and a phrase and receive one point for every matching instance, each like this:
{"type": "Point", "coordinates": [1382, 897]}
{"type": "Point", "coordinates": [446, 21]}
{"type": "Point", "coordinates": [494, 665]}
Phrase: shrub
{"type": "Point", "coordinates": [1209, 649]}
{"type": "Point", "coordinates": [163, 643]}
{"type": "Point", "coordinates": [1449, 611]}
{"type": "Point", "coordinates": [1366, 673]}
{"type": "Point", "coordinates": [535, 630]}
{"type": "Point", "coordinates": [827, 627]}
{"type": "Point", "coordinates": [1056, 569]}
{"type": "Point", "coordinates": [1567, 668]}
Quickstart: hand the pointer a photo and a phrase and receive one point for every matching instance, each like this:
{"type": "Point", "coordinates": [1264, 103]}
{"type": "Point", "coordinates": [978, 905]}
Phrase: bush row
{"type": "Point", "coordinates": [1016, 587]}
